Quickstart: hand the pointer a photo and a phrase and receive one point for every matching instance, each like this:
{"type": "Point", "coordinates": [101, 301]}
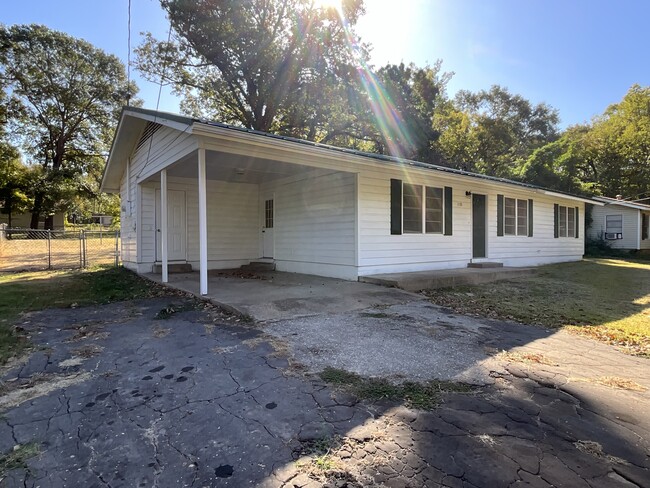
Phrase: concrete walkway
{"type": "Point", "coordinates": [428, 280]}
{"type": "Point", "coordinates": [268, 296]}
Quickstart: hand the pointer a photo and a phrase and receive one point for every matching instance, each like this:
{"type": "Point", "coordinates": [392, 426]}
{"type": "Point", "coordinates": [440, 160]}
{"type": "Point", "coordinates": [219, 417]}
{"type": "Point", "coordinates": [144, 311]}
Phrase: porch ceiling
{"type": "Point", "coordinates": [235, 168]}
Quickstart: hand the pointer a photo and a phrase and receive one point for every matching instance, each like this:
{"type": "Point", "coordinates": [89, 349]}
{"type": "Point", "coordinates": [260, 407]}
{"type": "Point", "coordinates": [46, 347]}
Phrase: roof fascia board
{"type": "Point", "coordinates": [239, 142]}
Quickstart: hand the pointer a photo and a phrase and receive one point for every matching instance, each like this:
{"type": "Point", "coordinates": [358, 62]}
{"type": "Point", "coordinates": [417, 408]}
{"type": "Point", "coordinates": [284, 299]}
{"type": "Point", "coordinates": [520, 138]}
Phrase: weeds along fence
{"type": "Point", "coordinates": [30, 249]}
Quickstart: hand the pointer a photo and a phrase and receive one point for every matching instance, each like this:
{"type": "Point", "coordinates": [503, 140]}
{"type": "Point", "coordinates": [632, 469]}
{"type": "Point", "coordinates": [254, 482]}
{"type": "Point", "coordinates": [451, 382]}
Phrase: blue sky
{"type": "Point", "coordinates": [577, 55]}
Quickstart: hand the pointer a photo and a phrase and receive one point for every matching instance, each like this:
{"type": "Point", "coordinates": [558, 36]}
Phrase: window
{"type": "Point", "coordinates": [433, 210]}
{"type": "Point", "coordinates": [567, 221]}
{"type": "Point", "coordinates": [412, 209]}
{"type": "Point", "coordinates": [571, 222]}
{"type": "Point", "coordinates": [614, 224]}
{"type": "Point", "coordinates": [417, 209]}
{"type": "Point", "coordinates": [562, 218]}
{"type": "Point", "coordinates": [515, 217]}
{"type": "Point", "coordinates": [268, 214]}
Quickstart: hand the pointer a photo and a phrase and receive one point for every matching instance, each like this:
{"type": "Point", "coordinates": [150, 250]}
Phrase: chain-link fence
{"type": "Point", "coordinates": [30, 249]}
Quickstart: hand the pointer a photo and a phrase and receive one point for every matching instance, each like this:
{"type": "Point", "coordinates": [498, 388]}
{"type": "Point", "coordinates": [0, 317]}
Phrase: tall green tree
{"type": "Point", "coordinates": [495, 131]}
{"type": "Point", "coordinates": [283, 66]}
{"type": "Point", "coordinates": [65, 96]}
{"type": "Point", "coordinates": [563, 164]}
{"type": "Point", "coordinates": [618, 146]}
{"type": "Point", "coordinates": [412, 97]}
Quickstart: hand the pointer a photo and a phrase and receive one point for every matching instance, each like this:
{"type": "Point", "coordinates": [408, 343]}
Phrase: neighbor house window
{"type": "Point", "coordinates": [614, 224]}
{"type": "Point", "coordinates": [515, 217]}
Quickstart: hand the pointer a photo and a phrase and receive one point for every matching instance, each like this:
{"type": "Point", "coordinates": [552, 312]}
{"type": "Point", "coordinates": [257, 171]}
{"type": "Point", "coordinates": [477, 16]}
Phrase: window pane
{"type": "Point", "coordinates": [268, 214]}
{"type": "Point", "coordinates": [412, 212]}
{"type": "Point", "coordinates": [433, 211]}
{"type": "Point", "coordinates": [510, 217]}
{"type": "Point", "coordinates": [562, 221]}
{"type": "Point", "coordinates": [571, 222]}
{"type": "Point", "coordinates": [614, 223]}
{"type": "Point", "coordinates": [522, 217]}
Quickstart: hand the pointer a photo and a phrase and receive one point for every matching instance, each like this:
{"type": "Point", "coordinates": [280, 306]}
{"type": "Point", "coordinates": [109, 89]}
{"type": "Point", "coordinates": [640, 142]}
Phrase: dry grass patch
{"type": "Point", "coordinates": [616, 382]}
{"type": "Point", "coordinates": [525, 357]}
{"type": "Point", "coordinates": [605, 299]}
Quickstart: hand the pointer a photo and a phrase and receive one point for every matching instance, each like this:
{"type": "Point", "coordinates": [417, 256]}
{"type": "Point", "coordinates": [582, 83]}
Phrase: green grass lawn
{"type": "Point", "coordinates": [607, 299]}
{"type": "Point", "coordinates": [39, 290]}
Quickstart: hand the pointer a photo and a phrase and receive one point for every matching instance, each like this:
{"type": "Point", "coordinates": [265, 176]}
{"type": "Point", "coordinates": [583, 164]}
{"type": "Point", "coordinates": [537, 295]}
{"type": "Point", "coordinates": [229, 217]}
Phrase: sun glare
{"type": "Point", "coordinates": [336, 4]}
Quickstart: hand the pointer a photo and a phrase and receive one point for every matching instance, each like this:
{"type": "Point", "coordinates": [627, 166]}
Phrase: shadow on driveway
{"type": "Point", "coordinates": [115, 397]}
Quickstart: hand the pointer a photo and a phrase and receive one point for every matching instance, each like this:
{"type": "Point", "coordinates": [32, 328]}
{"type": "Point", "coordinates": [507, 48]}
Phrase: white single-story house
{"type": "Point", "coordinates": [216, 196]}
{"type": "Point", "coordinates": [623, 224]}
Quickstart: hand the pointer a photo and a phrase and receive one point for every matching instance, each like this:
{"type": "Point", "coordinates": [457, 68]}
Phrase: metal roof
{"type": "Point", "coordinates": [378, 157]}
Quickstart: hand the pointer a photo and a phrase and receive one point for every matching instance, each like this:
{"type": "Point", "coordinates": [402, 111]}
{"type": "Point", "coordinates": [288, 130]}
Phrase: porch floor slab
{"type": "Point", "coordinates": [271, 296]}
{"type": "Point", "coordinates": [423, 280]}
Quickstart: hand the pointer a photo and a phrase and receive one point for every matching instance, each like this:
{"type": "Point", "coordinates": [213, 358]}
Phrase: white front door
{"type": "Point", "coordinates": [268, 216]}
{"type": "Point", "coordinates": [175, 226]}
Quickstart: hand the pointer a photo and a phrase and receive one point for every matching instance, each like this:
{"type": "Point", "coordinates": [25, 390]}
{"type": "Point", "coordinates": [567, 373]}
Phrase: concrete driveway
{"type": "Point", "coordinates": [114, 396]}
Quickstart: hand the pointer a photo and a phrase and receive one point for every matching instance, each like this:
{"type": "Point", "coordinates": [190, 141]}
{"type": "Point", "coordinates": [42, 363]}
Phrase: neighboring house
{"type": "Point", "coordinates": [234, 196]}
{"type": "Point", "coordinates": [23, 220]}
{"type": "Point", "coordinates": [622, 224]}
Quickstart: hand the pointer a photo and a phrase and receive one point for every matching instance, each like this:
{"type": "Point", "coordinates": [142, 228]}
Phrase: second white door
{"type": "Point", "coordinates": [175, 226]}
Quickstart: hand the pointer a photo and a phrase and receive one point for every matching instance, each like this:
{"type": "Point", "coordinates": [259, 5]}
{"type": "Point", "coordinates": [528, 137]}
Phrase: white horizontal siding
{"type": "Point", "coordinates": [128, 234]}
{"type": "Point", "coordinates": [631, 229]}
{"type": "Point", "coordinates": [315, 222]}
{"type": "Point", "coordinates": [381, 252]}
{"type": "Point", "coordinates": [232, 214]}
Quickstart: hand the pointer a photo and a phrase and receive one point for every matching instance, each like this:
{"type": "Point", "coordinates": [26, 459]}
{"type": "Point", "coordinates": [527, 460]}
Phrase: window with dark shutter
{"type": "Point", "coordinates": [449, 211]}
{"type": "Point", "coordinates": [433, 210]}
{"type": "Point", "coordinates": [499, 215]}
{"type": "Point", "coordinates": [412, 209]}
{"type": "Point", "coordinates": [556, 218]}
{"type": "Point", "coordinates": [530, 218]}
{"type": "Point", "coordinates": [645, 223]}
{"type": "Point", "coordinates": [577, 223]}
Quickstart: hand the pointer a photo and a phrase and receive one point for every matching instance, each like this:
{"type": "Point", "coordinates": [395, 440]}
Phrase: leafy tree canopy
{"type": "Point", "coordinates": [64, 98]}
{"type": "Point", "coordinates": [276, 66]}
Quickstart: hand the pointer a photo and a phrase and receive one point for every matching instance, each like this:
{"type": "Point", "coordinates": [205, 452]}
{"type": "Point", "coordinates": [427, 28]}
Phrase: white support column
{"type": "Point", "coordinates": [203, 225]}
{"type": "Point", "coordinates": [163, 226]}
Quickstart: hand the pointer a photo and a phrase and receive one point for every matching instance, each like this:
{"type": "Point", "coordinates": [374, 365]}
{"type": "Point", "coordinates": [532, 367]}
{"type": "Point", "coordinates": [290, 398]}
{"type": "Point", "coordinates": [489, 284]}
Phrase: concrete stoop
{"type": "Point", "coordinates": [258, 266]}
{"type": "Point", "coordinates": [173, 268]}
{"type": "Point", "coordinates": [427, 280]}
{"type": "Point", "coordinates": [485, 264]}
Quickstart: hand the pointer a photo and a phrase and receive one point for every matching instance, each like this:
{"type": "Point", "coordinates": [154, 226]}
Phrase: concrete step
{"type": "Point", "coordinates": [173, 268]}
{"type": "Point", "coordinates": [485, 264]}
{"type": "Point", "coordinates": [428, 280]}
{"type": "Point", "coordinates": [258, 266]}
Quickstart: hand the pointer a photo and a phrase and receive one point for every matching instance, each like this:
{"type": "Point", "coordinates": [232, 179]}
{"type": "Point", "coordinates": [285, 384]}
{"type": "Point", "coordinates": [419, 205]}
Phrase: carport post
{"type": "Point", "coordinates": [163, 225]}
{"type": "Point", "coordinates": [203, 225]}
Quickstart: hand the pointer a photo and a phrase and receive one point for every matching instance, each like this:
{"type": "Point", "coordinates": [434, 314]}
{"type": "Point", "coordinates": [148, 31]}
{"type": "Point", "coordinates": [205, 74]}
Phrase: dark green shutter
{"type": "Point", "coordinates": [449, 210]}
{"type": "Point", "coordinates": [499, 215]}
{"type": "Point", "coordinates": [530, 217]}
{"type": "Point", "coordinates": [644, 226]}
{"type": "Point", "coordinates": [577, 222]}
{"type": "Point", "coordinates": [395, 207]}
{"type": "Point", "coordinates": [556, 220]}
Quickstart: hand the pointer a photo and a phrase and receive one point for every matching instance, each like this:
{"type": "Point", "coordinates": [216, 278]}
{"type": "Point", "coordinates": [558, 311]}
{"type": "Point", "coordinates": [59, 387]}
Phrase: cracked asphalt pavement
{"type": "Point", "coordinates": [114, 397]}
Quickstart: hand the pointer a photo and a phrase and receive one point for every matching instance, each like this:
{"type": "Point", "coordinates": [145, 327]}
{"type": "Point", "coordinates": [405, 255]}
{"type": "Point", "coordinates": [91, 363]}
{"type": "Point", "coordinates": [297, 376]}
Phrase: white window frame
{"type": "Point", "coordinates": [423, 209]}
{"type": "Point", "coordinates": [611, 231]}
{"type": "Point", "coordinates": [517, 217]}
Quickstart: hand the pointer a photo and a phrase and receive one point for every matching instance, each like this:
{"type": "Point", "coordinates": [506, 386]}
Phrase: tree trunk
{"type": "Point", "coordinates": [49, 222]}
{"type": "Point", "coordinates": [36, 211]}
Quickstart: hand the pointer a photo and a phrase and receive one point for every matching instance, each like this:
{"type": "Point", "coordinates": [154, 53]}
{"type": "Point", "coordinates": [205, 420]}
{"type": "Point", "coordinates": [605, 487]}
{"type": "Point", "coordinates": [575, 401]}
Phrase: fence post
{"type": "Point", "coordinates": [49, 249]}
{"type": "Point", "coordinates": [117, 238]}
{"type": "Point", "coordinates": [85, 248]}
